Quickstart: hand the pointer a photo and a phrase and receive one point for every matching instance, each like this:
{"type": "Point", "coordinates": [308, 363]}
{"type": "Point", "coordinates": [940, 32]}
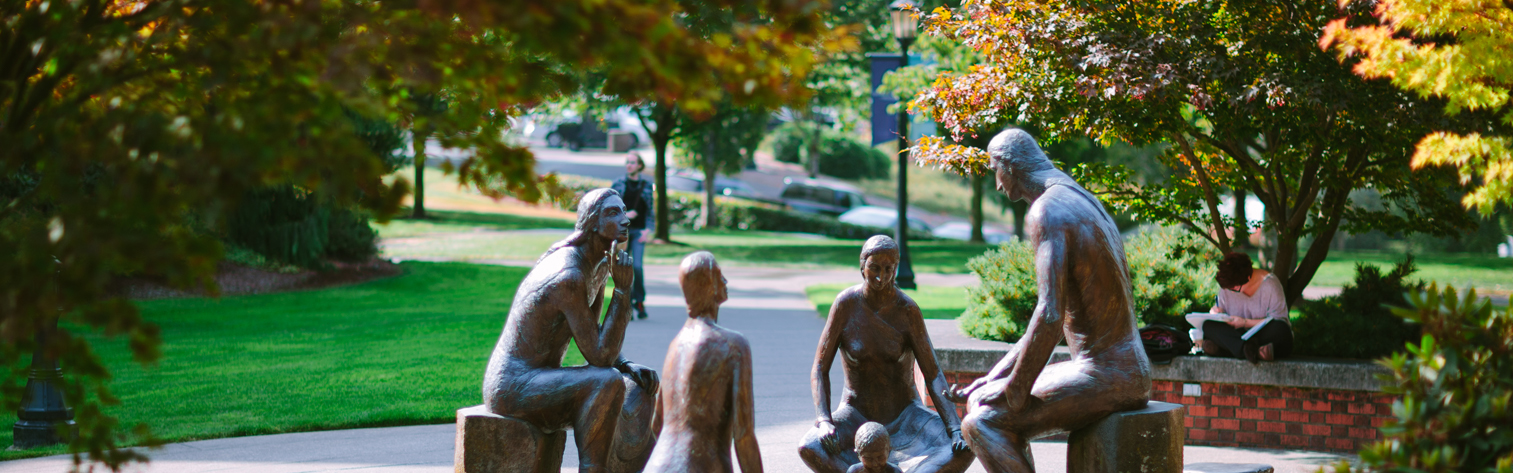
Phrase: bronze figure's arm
{"type": "Point", "coordinates": [743, 423]}
{"type": "Point", "coordinates": [600, 344]}
{"type": "Point", "coordinates": [1045, 329]}
{"type": "Point", "coordinates": [819, 380]}
{"type": "Point", "coordinates": [924, 355]}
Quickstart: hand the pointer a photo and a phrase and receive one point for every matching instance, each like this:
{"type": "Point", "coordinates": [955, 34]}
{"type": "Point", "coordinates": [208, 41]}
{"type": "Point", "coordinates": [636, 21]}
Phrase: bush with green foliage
{"type": "Point", "coordinates": [293, 226]}
{"type": "Point", "coordinates": [1455, 388]}
{"type": "Point", "coordinates": [1171, 272]}
{"type": "Point", "coordinates": [1359, 323]}
{"type": "Point", "coordinates": [840, 155]}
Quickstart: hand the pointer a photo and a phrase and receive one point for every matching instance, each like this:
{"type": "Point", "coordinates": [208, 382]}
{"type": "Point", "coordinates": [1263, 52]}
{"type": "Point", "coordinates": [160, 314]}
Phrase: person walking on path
{"type": "Point", "coordinates": [643, 223]}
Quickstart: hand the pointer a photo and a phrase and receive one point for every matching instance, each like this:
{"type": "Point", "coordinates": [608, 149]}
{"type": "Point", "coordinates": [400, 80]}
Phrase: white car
{"type": "Point", "coordinates": [963, 231]}
{"type": "Point", "coordinates": [884, 218]}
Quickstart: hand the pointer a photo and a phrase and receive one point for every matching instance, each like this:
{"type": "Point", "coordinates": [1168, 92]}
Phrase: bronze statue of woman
{"type": "Point", "coordinates": [610, 403]}
{"type": "Point", "coordinates": [881, 334]}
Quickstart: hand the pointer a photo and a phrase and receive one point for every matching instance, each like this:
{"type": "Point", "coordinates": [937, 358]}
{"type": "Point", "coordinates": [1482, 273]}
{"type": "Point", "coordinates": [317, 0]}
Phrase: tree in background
{"type": "Point", "coordinates": [1241, 91]}
{"type": "Point", "coordinates": [427, 105]}
{"type": "Point", "coordinates": [720, 144]}
{"type": "Point", "coordinates": [1458, 50]}
{"type": "Point", "coordinates": [122, 119]}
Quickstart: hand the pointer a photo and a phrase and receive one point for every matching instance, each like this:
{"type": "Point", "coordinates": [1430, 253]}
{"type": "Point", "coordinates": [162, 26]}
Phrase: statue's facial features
{"type": "Point", "coordinates": [874, 457]}
{"type": "Point", "coordinates": [613, 223]}
{"type": "Point", "coordinates": [721, 291]}
{"type": "Point", "coordinates": [1003, 178]}
{"type": "Point", "coordinates": [880, 269]}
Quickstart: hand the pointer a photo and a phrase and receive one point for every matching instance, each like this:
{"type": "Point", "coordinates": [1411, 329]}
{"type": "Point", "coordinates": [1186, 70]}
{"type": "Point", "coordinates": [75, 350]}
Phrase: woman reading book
{"type": "Point", "coordinates": [1256, 326]}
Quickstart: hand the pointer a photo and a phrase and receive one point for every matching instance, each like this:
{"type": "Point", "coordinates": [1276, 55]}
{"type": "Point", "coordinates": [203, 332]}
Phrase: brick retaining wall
{"type": "Point", "coordinates": [1246, 415]}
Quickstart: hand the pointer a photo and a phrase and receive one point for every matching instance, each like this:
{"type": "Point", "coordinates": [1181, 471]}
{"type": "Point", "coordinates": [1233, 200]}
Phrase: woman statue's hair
{"type": "Point", "coordinates": [878, 244]}
{"type": "Point", "coordinates": [590, 208]}
{"type": "Point", "coordinates": [1234, 270]}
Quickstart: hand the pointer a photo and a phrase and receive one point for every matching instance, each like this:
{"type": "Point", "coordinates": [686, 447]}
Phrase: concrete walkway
{"type": "Point", "coordinates": [767, 305]}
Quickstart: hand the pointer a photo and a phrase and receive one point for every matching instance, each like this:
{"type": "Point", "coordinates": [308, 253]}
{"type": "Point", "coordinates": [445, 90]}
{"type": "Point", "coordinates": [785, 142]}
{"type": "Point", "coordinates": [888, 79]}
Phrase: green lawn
{"type": "Point", "coordinates": [1486, 272]}
{"type": "Point", "coordinates": [777, 249]}
{"type": "Point", "coordinates": [400, 351]}
{"type": "Point", "coordinates": [935, 302]}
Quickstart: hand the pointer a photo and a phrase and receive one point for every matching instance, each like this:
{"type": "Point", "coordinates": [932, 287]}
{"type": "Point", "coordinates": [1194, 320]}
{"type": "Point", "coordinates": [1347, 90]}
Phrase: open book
{"type": "Point", "coordinates": [1197, 319]}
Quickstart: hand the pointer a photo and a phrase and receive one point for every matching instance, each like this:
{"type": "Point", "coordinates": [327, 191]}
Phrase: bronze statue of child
{"type": "Point", "coordinates": [872, 446]}
{"type": "Point", "coordinates": [706, 395]}
{"type": "Point", "coordinates": [881, 334]}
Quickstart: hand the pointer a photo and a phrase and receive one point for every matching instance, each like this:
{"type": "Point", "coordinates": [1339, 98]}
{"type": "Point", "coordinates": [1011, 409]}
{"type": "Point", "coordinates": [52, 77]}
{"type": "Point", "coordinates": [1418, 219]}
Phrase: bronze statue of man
{"type": "Point", "coordinates": [614, 422]}
{"type": "Point", "coordinates": [706, 399]}
{"type": "Point", "coordinates": [882, 336]}
{"type": "Point", "coordinates": [1084, 295]}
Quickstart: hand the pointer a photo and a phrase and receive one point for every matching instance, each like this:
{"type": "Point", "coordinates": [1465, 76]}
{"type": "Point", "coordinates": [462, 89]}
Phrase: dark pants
{"type": "Point", "coordinates": [637, 253]}
{"type": "Point", "coordinates": [1277, 333]}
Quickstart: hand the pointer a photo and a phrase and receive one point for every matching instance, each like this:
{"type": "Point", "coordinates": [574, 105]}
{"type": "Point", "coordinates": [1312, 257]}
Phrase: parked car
{"type": "Point", "coordinates": [572, 134]}
{"type": "Point", "coordinates": [885, 218]}
{"type": "Point", "coordinates": [963, 231]}
{"type": "Point", "coordinates": [689, 180]}
{"type": "Point", "coordinates": [814, 196]}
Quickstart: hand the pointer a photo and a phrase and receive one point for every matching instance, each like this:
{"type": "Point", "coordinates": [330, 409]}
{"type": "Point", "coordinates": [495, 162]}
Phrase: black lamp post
{"type": "Point", "coordinates": [905, 27]}
{"type": "Point", "coordinates": [43, 414]}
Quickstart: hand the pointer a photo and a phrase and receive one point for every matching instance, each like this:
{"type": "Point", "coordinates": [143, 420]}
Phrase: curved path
{"type": "Point", "coordinates": [767, 305]}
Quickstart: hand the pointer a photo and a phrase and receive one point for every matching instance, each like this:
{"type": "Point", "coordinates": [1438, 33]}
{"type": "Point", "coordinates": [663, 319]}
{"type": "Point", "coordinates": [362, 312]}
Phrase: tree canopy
{"type": "Point", "coordinates": [131, 128]}
{"type": "Point", "coordinates": [1240, 90]}
{"type": "Point", "coordinates": [1460, 50]}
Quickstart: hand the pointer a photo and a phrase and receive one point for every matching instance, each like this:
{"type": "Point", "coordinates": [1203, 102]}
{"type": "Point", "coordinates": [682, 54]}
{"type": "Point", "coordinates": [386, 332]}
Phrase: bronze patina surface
{"type": "Point", "coordinates": [610, 403]}
{"type": "Point", "coordinates": [881, 336]}
{"type": "Point", "coordinates": [1084, 297]}
{"type": "Point", "coordinates": [707, 394]}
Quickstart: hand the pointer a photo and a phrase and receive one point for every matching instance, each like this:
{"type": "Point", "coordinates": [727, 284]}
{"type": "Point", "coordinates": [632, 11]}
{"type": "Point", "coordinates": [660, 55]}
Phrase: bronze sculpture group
{"type": "Point", "coordinates": [625, 419]}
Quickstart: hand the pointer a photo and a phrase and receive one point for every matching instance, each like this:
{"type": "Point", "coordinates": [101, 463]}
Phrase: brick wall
{"type": "Point", "coordinates": [1243, 415]}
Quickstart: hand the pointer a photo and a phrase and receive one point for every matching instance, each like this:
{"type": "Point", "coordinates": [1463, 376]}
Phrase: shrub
{"type": "Point", "coordinates": [1359, 323]}
{"type": "Point", "coordinates": [293, 226]}
{"type": "Point", "coordinates": [1456, 387]}
{"type": "Point", "coordinates": [349, 237]}
{"type": "Point", "coordinates": [1171, 274]}
{"type": "Point", "coordinates": [840, 154]}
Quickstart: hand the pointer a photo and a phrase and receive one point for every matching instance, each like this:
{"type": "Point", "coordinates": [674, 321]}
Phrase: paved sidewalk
{"type": "Point", "coordinates": [767, 305]}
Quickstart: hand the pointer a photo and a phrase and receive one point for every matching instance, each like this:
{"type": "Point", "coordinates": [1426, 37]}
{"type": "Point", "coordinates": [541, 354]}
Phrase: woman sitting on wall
{"type": "Point", "coordinates": [1250, 297]}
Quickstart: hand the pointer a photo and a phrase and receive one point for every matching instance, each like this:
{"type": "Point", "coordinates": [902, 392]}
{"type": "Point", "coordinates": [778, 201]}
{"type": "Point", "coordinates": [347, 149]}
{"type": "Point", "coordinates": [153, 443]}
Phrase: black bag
{"type": "Point", "coordinates": [1162, 343]}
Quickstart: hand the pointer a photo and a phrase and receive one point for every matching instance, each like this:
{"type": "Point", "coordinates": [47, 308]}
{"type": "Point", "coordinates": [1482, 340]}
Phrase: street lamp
{"type": "Point", "coordinates": [905, 27]}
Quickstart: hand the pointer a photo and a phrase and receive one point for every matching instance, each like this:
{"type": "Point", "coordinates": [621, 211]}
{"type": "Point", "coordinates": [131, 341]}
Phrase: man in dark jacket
{"type": "Point", "coordinates": [640, 207]}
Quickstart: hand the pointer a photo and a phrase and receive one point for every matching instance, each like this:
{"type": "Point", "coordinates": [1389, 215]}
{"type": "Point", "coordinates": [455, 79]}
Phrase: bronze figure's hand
{"type": "Point", "coordinates": [623, 271]}
{"type": "Point", "coordinates": [828, 437]}
{"type": "Point", "coordinates": [959, 394]}
{"type": "Point", "coordinates": [958, 445]}
{"type": "Point", "coordinates": [644, 377]}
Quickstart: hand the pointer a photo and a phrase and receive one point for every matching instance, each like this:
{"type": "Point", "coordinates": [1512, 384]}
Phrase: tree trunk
{"type": "Point", "coordinates": [812, 145]}
{"type": "Point", "coordinates": [1242, 223]}
{"type": "Point", "coordinates": [419, 144]}
{"type": "Point", "coordinates": [710, 220]}
{"type": "Point", "coordinates": [977, 182]}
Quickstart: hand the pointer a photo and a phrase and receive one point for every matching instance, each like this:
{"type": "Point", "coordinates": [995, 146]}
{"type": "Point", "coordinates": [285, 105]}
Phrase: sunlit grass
{"type": "Point", "coordinates": [935, 302]}
{"type": "Point", "coordinates": [400, 351]}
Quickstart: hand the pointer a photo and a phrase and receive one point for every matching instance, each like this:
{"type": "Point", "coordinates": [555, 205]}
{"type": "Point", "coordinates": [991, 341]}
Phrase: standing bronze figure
{"type": "Point", "coordinates": [881, 334]}
{"type": "Point", "coordinates": [610, 403]}
{"type": "Point", "coordinates": [707, 400]}
{"type": "Point", "coordinates": [1084, 291]}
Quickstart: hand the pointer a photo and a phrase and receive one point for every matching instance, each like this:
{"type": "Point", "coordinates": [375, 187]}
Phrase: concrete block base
{"type": "Point", "coordinates": [1147, 440]}
{"type": "Point", "coordinates": [491, 443]}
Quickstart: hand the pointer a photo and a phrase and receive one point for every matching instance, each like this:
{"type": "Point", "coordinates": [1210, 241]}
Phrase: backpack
{"type": "Point", "coordinates": [1162, 343]}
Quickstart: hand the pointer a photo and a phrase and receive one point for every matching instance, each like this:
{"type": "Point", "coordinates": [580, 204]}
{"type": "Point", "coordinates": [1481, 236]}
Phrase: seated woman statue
{"type": "Point", "coordinates": [614, 422]}
{"type": "Point", "coordinates": [882, 335]}
{"type": "Point", "coordinates": [1249, 296]}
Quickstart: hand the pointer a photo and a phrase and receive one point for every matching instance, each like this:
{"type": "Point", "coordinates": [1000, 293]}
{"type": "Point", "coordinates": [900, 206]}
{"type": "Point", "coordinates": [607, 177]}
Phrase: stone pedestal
{"type": "Point", "coordinates": [491, 443]}
{"type": "Point", "coordinates": [1147, 440]}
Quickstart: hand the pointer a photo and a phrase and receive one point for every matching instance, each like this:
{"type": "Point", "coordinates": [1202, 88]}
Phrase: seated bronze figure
{"type": "Point", "coordinates": [706, 397]}
{"type": "Point", "coordinates": [881, 334]}
{"type": "Point", "coordinates": [1084, 296]}
{"type": "Point", "coordinates": [614, 421]}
